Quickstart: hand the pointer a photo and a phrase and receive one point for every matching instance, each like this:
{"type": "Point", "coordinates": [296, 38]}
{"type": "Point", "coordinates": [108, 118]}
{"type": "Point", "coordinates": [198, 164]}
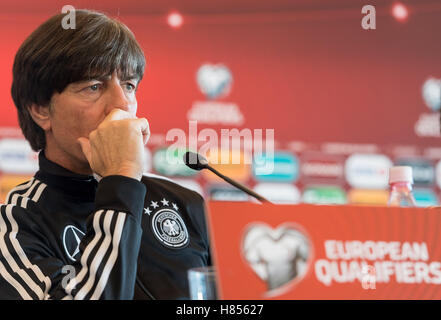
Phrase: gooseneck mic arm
{"type": "Point", "coordinates": [197, 162]}
{"type": "Point", "coordinates": [238, 185]}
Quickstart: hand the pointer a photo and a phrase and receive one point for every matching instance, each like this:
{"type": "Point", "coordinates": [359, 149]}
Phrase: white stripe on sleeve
{"type": "Point", "coordinates": [113, 256]}
{"type": "Point", "coordinates": [19, 250]}
{"type": "Point", "coordinates": [97, 260]}
{"type": "Point", "coordinates": [18, 188]}
{"type": "Point", "coordinates": [14, 283]}
{"type": "Point", "coordinates": [74, 281]}
{"type": "Point", "coordinates": [11, 261]}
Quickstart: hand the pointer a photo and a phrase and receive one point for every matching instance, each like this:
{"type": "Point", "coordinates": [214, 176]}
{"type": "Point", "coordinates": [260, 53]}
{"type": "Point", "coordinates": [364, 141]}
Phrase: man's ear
{"type": "Point", "coordinates": [41, 116]}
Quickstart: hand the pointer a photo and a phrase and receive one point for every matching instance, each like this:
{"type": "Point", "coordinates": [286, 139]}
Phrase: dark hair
{"type": "Point", "coordinates": [53, 57]}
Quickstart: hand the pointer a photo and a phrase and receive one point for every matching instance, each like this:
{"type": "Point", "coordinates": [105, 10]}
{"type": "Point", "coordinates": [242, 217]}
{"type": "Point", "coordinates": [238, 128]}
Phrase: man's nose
{"type": "Point", "coordinates": [117, 98]}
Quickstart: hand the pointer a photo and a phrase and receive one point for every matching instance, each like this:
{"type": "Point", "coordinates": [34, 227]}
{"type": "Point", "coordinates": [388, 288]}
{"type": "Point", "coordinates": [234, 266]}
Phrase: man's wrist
{"type": "Point", "coordinates": [126, 172]}
{"type": "Point", "coordinates": [129, 174]}
{"type": "Point", "coordinates": [121, 193]}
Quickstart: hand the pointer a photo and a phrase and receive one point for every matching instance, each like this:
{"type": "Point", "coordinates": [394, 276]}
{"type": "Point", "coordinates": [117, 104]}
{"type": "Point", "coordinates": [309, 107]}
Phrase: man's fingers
{"type": "Point", "coordinates": [85, 147]}
{"type": "Point", "coordinates": [118, 114]}
{"type": "Point", "coordinates": [114, 147]}
{"type": "Point", "coordinates": [144, 127]}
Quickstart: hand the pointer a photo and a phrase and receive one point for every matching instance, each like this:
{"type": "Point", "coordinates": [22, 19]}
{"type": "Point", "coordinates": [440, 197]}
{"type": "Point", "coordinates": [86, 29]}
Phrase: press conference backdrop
{"type": "Point", "coordinates": [345, 103]}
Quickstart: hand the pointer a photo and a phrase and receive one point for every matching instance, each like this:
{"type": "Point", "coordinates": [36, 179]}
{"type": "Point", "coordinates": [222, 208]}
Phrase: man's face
{"type": "Point", "coordinates": [79, 109]}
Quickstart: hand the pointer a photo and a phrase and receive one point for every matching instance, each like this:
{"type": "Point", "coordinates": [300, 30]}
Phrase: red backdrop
{"type": "Point", "coordinates": [304, 68]}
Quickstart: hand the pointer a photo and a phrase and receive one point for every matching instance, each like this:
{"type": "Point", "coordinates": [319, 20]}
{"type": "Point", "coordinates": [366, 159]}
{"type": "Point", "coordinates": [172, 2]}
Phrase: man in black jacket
{"type": "Point", "coordinates": [89, 224]}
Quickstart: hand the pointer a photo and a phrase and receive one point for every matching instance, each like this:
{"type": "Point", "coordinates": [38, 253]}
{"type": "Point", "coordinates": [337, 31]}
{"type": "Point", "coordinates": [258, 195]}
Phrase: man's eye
{"type": "Point", "coordinates": [130, 87]}
{"type": "Point", "coordinates": [94, 87]}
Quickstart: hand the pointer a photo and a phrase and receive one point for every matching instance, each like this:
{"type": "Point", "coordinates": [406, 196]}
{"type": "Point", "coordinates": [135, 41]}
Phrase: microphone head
{"type": "Point", "coordinates": [195, 161]}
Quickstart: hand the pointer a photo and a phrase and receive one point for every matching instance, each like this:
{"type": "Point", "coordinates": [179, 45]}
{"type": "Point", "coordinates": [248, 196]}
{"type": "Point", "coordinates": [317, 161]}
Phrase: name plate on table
{"type": "Point", "coordinates": [325, 252]}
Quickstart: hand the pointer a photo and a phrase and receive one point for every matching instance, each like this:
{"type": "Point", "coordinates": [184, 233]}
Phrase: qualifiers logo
{"type": "Point", "coordinates": [286, 167]}
{"type": "Point", "coordinates": [425, 198]}
{"type": "Point", "coordinates": [368, 197]}
{"type": "Point", "coordinates": [322, 168]}
{"type": "Point", "coordinates": [280, 193]}
{"type": "Point", "coordinates": [215, 82]}
{"type": "Point", "coordinates": [368, 171]}
{"type": "Point", "coordinates": [402, 262]}
{"type": "Point", "coordinates": [324, 195]}
{"type": "Point", "coordinates": [227, 193]}
{"type": "Point", "coordinates": [428, 123]}
{"type": "Point", "coordinates": [280, 257]}
{"type": "Point", "coordinates": [233, 163]}
{"type": "Point", "coordinates": [422, 171]}
{"type": "Point", "coordinates": [169, 162]}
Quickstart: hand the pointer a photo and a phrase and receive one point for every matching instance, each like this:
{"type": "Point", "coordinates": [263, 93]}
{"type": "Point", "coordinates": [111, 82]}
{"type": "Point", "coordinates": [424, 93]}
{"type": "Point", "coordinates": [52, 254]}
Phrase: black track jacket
{"type": "Point", "coordinates": [67, 236]}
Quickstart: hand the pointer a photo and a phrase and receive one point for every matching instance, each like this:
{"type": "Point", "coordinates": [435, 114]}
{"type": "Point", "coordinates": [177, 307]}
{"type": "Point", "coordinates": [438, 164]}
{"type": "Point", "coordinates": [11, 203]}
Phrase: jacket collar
{"type": "Point", "coordinates": [54, 175]}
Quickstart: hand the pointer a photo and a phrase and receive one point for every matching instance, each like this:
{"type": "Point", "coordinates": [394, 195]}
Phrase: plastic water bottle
{"type": "Point", "coordinates": [401, 181]}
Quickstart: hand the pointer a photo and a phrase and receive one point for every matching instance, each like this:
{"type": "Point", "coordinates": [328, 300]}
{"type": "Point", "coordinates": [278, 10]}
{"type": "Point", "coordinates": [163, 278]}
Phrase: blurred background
{"type": "Point", "coordinates": [345, 103]}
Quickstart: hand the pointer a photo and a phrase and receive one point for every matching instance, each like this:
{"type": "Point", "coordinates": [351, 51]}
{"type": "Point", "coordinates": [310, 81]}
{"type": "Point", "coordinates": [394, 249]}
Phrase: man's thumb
{"type": "Point", "coordinates": [85, 147]}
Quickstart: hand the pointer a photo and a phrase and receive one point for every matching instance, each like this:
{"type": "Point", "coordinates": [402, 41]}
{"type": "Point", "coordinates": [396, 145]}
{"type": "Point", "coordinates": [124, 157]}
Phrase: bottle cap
{"type": "Point", "coordinates": [400, 174]}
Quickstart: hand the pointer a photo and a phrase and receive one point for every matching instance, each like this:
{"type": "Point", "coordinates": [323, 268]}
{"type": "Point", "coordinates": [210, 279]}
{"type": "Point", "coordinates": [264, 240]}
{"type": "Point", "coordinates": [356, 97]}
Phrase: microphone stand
{"type": "Point", "coordinates": [238, 185]}
{"type": "Point", "coordinates": [195, 161]}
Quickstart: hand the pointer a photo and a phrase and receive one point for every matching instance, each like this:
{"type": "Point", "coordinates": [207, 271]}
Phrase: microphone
{"type": "Point", "coordinates": [197, 162]}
